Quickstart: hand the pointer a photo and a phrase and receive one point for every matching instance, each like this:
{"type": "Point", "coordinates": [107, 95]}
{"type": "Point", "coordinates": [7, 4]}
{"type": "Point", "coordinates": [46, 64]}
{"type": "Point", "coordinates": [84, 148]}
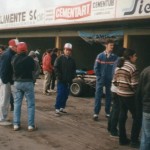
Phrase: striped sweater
{"type": "Point", "coordinates": [126, 79]}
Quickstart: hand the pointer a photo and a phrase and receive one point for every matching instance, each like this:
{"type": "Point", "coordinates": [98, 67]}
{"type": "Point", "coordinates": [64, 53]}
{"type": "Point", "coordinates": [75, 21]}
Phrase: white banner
{"type": "Point", "coordinates": [133, 8]}
{"type": "Point", "coordinates": [34, 13]}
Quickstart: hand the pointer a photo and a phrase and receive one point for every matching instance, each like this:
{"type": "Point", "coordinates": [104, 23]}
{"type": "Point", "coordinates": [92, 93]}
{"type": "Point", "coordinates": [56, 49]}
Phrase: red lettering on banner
{"type": "Point", "coordinates": [73, 12]}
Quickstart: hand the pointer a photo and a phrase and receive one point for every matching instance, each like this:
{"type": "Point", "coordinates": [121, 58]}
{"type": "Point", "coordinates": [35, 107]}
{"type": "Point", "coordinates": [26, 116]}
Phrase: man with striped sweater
{"type": "Point", "coordinates": [126, 79]}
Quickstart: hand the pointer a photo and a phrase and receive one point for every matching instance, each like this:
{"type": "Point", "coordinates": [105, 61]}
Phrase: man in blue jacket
{"type": "Point", "coordinates": [103, 69]}
{"type": "Point", "coordinates": [6, 80]}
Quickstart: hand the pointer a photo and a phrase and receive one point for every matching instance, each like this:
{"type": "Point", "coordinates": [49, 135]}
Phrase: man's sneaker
{"type": "Point", "coordinates": [16, 127]}
{"type": "Point", "coordinates": [32, 128]}
{"type": "Point", "coordinates": [107, 115]}
{"type": "Point", "coordinates": [135, 144]}
{"type": "Point", "coordinates": [57, 113]}
{"type": "Point", "coordinates": [53, 91]}
{"type": "Point", "coordinates": [5, 123]}
{"type": "Point", "coordinates": [95, 117]}
{"type": "Point", "coordinates": [125, 142]}
{"type": "Point", "coordinates": [62, 111]}
{"type": "Point", "coordinates": [114, 135]}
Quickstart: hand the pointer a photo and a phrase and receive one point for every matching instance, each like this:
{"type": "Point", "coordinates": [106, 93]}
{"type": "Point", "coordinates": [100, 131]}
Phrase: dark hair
{"type": "Point", "coordinates": [55, 50]}
{"type": "Point", "coordinates": [109, 41]}
{"type": "Point", "coordinates": [49, 50]}
{"type": "Point", "coordinates": [120, 51]}
{"type": "Point", "coordinates": [127, 53]}
{"type": "Point", "coordinates": [120, 62]}
{"type": "Point", "coordinates": [126, 56]}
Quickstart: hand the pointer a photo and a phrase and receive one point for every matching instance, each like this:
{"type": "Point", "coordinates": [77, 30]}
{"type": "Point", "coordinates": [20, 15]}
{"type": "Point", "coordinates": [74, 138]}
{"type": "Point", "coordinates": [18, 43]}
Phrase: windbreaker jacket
{"type": "Point", "coordinates": [6, 71]}
{"type": "Point", "coordinates": [103, 66]}
{"type": "Point", "coordinates": [46, 63]}
{"type": "Point", "coordinates": [65, 69]}
{"type": "Point", "coordinates": [23, 67]}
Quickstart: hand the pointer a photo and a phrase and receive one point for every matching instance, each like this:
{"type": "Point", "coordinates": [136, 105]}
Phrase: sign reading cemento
{"type": "Point", "coordinates": [25, 14]}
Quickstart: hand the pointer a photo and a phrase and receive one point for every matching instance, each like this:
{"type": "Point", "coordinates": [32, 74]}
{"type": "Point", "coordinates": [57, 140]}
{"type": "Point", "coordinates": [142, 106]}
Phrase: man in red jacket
{"type": "Point", "coordinates": [47, 70]}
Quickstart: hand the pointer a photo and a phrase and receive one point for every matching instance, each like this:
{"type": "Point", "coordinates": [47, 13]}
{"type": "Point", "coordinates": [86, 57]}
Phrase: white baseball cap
{"type": "Point", "coordinates": [68, 46]}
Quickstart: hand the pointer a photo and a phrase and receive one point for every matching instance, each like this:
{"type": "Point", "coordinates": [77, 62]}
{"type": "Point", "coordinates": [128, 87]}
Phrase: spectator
{"type": "Point", "coordinates": [114, 115]}
{"type": "Point", "coordinates": [36, 71]}
{"type": "Point", "coordinates": [47, 70]}
{"type": "Point", "coordinates": [103, 69]}
{"type": "Point", "coordinates": [2, 48]}
{"type": "Point", "coordinates": [23, 67]}
{"type": "Point", "coordinates": [53, 77]}
{"type": "Point", "coordinates": [6, 80]}
{"type": "Point", "coordinates": [65, 70]}
{"type": "Point", "coordinates": [143, 107]}
{"type": "Point", "coordinates": [126, 80]}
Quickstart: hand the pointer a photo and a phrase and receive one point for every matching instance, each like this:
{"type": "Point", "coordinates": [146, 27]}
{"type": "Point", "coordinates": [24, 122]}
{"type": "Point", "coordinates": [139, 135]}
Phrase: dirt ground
{"type": "Point", "coordinates": [72, 131]}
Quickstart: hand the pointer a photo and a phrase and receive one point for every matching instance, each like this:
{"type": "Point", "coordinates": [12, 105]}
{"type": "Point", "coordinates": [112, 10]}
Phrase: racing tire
{"type": "Point", "coordinates": [77, 87]}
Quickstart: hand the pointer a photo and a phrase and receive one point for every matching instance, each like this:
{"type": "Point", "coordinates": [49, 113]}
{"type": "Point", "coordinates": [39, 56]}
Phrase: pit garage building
{"type": "Point", "coordinates": [86, 24]}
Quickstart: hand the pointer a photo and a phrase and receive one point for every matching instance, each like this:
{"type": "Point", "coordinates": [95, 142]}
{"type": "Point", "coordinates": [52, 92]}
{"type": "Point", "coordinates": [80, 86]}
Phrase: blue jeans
{"type": "Point", "coordinates": [62, 94]}
{"type": "Point", "coordinates": [145, 139]}
{"type": "Point", "coordinates": [24, 89]}
{"type": "Point", "coordinates": [100, 83]}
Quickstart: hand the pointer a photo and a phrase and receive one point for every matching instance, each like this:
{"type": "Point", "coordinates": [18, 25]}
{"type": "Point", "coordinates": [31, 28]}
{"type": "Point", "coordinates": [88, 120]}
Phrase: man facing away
{"type": "Point", "coordinates": [103, 69]}
{"type": "Point", "coordinates": [23, 67]}
{"type": "Point", "coordinates": [65, 70]}
{"type": "Point", "coordinates": [6, 80]}
{"type": "Point", "coordinates": [143, 107]}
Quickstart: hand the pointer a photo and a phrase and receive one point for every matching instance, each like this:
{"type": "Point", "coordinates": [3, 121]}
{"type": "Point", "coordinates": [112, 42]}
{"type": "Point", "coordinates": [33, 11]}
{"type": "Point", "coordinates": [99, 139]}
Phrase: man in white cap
{"type": "Point", "coordinates": [65, 70]}
{"type": "Point", "coordinates": [6, 80]}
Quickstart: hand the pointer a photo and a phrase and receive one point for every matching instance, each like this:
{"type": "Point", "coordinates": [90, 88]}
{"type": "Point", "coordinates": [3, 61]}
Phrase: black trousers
{"type": "Point", "coordinates": [114, 115]}
{"type": "Point", "coordinates": [53, 79]}
{"type": "Point", "coordinates": [128, 103]}
{"type": "Point", "coordinates": [12, 102]}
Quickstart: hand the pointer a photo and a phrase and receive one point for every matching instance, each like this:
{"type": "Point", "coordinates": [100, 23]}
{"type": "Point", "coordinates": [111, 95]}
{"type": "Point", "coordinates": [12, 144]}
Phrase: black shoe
{"type": "Point", "coordinates": [124, 142]}
{"type": "Point", "coordinates": [135, 144]}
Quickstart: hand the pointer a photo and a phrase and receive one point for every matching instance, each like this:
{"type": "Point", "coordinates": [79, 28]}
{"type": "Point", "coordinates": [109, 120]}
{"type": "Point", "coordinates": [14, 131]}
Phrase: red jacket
{"type": "Point", "coordinates": [46, 63]}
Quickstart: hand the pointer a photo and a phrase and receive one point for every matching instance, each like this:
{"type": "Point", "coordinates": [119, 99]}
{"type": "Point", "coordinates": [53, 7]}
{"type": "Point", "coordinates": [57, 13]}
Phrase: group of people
{"type": "Point", "coordinates": [48, 60]}
{"type": "Point", "coordinates": [18, 73]}
{"type": "Point", "coordinates": [17, 78]}
{"type": "Point", "coordinates": [125, 86]}
{"type": "Point", "coordinates": [129, 91]}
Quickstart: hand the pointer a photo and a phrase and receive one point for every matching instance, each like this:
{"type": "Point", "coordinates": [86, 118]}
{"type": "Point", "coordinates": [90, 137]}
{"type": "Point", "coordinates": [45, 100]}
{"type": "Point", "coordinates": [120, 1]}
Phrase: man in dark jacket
{"type": "Point", "coordinates": [65, 70]}
{"type": "Point", "coordinates": [143, 106]}
{"type": "Point", "coordinates": [23, 67]}
{"type": "Point", "coordinates": [6, 80]}
{"type": "Point", "coordinates": [53, 76]}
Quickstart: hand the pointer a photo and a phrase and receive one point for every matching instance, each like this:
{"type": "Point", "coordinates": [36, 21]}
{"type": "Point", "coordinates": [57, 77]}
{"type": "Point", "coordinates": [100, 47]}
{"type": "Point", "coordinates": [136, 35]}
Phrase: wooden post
{"type": "Point", "coordinates": [58, 43]}
{"type": "Point", "coordinates": [126, 41]}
